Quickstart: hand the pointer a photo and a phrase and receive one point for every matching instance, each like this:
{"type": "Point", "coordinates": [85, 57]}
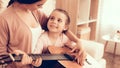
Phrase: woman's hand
{"type": "Point", "coordinates": [25, 59]}
{"type": "Point", "coordinates": [37, 63]}
{"type": "Point", "coordinates": [79, 53]}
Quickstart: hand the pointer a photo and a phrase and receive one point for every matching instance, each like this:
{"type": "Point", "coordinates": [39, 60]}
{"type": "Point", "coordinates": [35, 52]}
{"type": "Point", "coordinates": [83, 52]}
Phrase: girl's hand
{"type": "Point", "coordinates": [25, 59]}
{"type": "Point", "coordinates": [37, 63]}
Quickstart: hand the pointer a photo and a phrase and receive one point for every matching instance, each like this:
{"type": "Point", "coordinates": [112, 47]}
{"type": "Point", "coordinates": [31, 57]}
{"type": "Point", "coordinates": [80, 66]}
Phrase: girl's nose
{"type": "Point", "coordinates": [55, 21]}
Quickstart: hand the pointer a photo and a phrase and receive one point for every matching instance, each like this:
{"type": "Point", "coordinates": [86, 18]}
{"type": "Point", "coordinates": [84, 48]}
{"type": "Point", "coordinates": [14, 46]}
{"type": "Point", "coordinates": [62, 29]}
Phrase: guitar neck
{"type": "Point", "coordinates": [18, 58]}
{"type": "Point", "coordinates": [51, 56]}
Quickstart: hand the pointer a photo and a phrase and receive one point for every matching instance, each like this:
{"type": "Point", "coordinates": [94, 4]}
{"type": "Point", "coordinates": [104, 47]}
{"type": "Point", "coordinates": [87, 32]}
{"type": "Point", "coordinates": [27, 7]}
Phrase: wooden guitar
{"type": "Point", "coordinates": [63, 50]}
{"type": "Point", "coordinates": [57, 53]}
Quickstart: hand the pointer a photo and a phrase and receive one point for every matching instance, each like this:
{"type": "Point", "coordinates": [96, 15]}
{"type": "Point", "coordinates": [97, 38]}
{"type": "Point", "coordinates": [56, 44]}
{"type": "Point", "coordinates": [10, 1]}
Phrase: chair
{"type": "Point", "coordinates": [95, 51]}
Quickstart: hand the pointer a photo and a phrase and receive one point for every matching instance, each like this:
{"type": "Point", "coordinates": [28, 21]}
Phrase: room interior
{"type": "Point", "coordinates": [91, 20]}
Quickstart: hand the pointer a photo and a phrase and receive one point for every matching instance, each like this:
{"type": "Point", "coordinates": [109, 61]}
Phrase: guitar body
{"type": "Point", "coordinates": [63, 50]}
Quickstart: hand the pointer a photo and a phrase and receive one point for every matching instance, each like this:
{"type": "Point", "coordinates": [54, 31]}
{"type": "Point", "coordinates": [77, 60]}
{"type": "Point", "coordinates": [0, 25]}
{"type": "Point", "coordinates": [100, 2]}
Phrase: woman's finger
{"type": "Point", "coordinates": [82, 58]}
{"type": "Point", "coordinates": [26, 59]}
{"type": "Point", "coordinates": [75, 50]}
{"type": "Point", "coordinates": [37, 63]}
{"type": "Point", "coordinates": [17, 52]}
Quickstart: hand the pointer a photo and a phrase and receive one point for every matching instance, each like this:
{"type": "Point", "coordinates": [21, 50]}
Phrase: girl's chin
{"type": "Point", "coordinates": [54, 31]}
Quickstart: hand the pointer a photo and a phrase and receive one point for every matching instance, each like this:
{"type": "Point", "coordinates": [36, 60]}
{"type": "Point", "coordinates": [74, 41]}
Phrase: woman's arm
{"type": "Point", "coordinates": [81, 56]}
{"type": "Point", "coordinates": [4, 36]}
{"type": "Point", "coordinates": [74, 38]}
{"type": "Point", "coordinates": [71, 36]}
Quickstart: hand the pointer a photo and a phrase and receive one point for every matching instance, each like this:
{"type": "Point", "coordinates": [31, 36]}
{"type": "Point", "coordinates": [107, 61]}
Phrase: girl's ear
{"type": "Point", "coordinates": [66, 28]}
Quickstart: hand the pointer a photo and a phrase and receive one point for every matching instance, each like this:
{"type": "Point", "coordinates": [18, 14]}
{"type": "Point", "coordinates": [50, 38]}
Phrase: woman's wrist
{"type": "Point", "coordinates": [79, 44]}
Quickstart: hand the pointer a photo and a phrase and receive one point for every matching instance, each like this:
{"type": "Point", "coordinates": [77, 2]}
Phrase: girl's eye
{"type": "Point", "coordinates": [51, 18]}
{"type": "Point", "coordinates": [59, 20]}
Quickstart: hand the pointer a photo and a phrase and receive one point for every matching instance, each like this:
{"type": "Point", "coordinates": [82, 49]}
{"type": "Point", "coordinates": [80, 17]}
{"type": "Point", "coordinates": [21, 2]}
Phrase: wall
{"type": "Point", "coordinates": [109, 21]}
{"type": "Point", "coordinates": [49, 6]}
{"type": "Point", "coordinates": [71, 6]}
{"type": "Point", "coordinates": [3, 4]}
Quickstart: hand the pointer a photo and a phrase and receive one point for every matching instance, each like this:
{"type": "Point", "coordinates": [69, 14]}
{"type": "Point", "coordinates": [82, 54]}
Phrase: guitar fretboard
{"type": "Point", "coordinates": [18, 58]}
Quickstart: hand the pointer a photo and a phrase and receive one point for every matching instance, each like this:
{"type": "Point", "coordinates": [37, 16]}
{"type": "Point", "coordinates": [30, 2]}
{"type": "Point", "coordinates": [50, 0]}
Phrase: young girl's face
{"type": "Point", "coordinates": [56, 22]}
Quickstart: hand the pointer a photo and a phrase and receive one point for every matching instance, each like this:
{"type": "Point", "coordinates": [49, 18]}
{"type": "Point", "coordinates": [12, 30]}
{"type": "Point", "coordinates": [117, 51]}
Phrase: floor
{"type": "Point", "coordinates": [112, 62]}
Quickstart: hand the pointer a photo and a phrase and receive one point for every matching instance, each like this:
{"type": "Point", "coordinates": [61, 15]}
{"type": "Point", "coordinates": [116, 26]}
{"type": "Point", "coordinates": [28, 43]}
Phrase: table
{"type": "Point", "coordinates": [111, 38]}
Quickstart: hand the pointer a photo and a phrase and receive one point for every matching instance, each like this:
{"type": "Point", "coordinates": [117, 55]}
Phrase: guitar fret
{"type": "Point", "coordinates": [33, 57]}
{"type": "Point", "coordinates": [39, 56]}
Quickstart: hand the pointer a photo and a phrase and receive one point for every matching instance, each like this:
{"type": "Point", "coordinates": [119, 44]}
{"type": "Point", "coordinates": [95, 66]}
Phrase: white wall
{"type": "Point", "coordinates": [49, 6]}
{"type": "Point", "coordinates": [3, 4]}
{"type": "Point", "coordinates": [109, 21]}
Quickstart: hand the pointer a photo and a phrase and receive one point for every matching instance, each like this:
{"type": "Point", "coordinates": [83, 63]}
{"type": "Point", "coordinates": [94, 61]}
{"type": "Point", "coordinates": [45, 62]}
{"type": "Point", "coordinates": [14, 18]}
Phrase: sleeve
{"type": "Point", "coordinates": [4, 36]}
{"type": "Point", "coordinates": [43, 19]}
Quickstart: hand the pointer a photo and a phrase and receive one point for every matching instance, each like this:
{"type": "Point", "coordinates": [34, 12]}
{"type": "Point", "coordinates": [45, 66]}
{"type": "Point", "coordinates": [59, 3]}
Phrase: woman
{"type": "Point", "coordinates": [20, 28]}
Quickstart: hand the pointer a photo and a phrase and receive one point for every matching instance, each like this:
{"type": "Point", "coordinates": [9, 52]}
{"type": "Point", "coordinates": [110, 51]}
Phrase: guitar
{"type": "Point", "coordinates": [57, 53]}
{"type": "Point", "coordinates": [63, 50]}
